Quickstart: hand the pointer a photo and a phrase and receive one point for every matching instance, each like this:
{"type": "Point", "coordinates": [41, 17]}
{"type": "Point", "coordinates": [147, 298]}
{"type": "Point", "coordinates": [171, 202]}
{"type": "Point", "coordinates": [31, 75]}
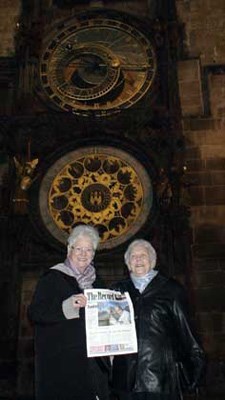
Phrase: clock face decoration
{"type": "Point", "coordinates": [102, 186]}
{"type": "Point", "coordinates": [99, 62]}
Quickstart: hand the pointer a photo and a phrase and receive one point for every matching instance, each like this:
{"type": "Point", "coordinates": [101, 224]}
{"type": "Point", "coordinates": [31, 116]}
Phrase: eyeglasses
{"type": "Point", "coordinates": [81, 250]}
{"type": "Point", "coordinates": [139, 257]}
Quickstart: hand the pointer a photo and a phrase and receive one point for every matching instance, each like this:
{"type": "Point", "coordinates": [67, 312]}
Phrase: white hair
{"type": "Point", "coordinates": [146, 245]}
{"type": "Point", "coordinates": [83, 230]}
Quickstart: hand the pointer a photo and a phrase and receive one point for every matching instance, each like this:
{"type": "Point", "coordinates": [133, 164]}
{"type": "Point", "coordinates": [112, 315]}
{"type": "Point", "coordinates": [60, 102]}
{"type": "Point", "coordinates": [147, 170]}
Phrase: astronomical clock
{"type": "Point", "coordinates": [99, 62]}
{"type": "Point", "coordinates": [97, 66]}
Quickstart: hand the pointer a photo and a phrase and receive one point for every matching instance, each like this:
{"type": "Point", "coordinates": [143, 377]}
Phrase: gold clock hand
{"type": "Point", "coordinates": [116, 64]}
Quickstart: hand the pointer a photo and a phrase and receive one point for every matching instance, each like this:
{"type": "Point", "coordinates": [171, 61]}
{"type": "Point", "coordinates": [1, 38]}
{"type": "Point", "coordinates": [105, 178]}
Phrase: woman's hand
{"type": "Point", "coordinates": [79, 300]}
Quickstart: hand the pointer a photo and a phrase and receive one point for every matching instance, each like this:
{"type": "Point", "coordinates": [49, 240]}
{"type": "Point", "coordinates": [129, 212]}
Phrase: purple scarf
{"type": "Point", "coordinates": [84, 279]}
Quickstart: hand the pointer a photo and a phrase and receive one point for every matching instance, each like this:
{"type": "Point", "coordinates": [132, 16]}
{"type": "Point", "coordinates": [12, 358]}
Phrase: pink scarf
{"type": "Point", "coordinates": [84, 279]}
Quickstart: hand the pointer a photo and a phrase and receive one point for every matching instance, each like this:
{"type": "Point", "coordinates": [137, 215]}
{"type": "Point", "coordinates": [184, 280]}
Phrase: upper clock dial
{"type": "Point", "coordinates": [97, 62]}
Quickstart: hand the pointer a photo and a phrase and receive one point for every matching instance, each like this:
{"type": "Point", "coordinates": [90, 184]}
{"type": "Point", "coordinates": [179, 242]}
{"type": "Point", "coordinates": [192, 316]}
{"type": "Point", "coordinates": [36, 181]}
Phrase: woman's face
{"type": "Point", "coordinates": [82, 252]}
{"type": "Point", "coordinates": [140, 261]}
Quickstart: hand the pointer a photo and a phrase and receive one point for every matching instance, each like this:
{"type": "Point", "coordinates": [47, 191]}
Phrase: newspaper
{"type": "Point", "coordinates": [109, 320]}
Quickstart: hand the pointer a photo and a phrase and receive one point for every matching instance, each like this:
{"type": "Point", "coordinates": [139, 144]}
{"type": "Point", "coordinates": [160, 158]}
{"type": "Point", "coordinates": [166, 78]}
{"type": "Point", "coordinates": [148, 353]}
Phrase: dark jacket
{"type": "Point", "coordinates": [165, 338]}
{"type": "Point", "coordinates": [62, 369]}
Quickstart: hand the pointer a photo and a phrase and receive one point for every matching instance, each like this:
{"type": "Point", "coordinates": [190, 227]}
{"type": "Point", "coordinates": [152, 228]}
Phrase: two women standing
{"type": "Point", "coordinates": [165, 338]}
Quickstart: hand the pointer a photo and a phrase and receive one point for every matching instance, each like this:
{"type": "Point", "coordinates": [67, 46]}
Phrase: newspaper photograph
{"type": "Point", "coordinates": [109, 320]}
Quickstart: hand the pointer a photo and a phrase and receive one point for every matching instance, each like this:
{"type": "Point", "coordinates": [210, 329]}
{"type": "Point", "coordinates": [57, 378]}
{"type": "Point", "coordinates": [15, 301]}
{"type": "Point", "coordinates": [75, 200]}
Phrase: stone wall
{"type": "Point", "coordinates": [9, 16]}
{"type": "Point", "coordinates": [204, 23]}
{"type": "Point", "coordinates": [202, 92]}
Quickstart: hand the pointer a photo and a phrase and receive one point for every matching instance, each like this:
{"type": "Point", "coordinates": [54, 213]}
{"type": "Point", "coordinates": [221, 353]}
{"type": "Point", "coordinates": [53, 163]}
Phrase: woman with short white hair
{"type": "Point", "coordinates": [62, 369]}
{"type": "Point", "coordinates": [166, 342]}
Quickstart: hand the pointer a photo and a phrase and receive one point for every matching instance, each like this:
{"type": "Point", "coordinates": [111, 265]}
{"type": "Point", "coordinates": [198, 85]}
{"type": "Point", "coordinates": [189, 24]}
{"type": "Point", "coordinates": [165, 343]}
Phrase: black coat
{"type": "Point", "coordinates": [62, 369]}
{"type": "Point", "coordinates": [165, 338]}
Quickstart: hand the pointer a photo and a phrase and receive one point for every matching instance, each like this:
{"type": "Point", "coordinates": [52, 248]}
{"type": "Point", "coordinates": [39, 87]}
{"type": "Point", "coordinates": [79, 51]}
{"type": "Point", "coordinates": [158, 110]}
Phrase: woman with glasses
{"type": "Point", "coordinates": [62, 369]}
{"type": "Point", "coordinates": [166, 344]}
